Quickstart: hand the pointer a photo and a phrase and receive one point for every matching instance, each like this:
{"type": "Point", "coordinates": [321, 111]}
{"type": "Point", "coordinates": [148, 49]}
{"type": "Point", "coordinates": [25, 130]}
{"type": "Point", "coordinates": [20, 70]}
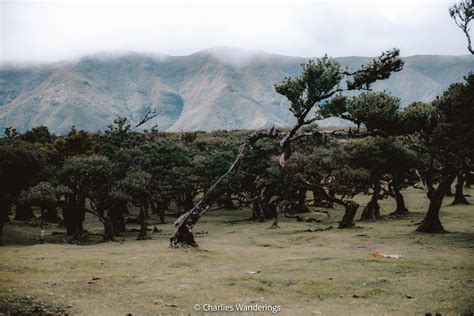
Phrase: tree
{"type": "Point", "coordinates": [348, 182]}
{"type": "Point", "coordinates": [320, 80]}
{"type": "Point", "coordinates": [446, 134]}
{"type": "Point", "coordinates": [459, 197]}
{"type": "Point", "coordinates": [377, 112]}
{"type": "Point", "coordinates": [20, 168]}
{"type": "Point", "coordinates": [462, 14]}
{"type": "Point", "coordinates": [390, 163]}
{"type": "Point", "coordinates": [44, 196]}
{"type": "Point", "coordinates": [40, 134]}
{"type": "Point", "coordinates": [327, 170]}
{"type": "Point", "coordinates": [89, 177]}
{"type": "Point", "coordinates": [136, 186]}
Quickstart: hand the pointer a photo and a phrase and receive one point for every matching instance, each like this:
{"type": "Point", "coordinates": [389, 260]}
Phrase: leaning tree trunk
{"type": "Point", "coordinates": [349, 214]}
{"type": "Point", "coordinates": [23, 212]}
{"type": "Point", "coordinates": [401, 208]}
{"type": "Point", "coordinates": [431, 222]}
{"type": "Point", "coordinates": [372, 210]}
{"type": "Point", "coordinates": [185, 223]}
{"type": "Point", "coordinates": [459, 197]}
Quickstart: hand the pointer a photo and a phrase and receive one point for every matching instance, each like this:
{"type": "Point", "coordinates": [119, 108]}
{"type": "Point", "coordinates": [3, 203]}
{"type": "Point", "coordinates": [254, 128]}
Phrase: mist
{"type": "Point", "coordinates": [35, 31]}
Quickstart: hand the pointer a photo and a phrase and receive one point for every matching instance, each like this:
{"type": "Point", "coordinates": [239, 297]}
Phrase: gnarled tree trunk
{"type": "Point", "coordinates": [73, 216]}
{"type": "Point", "coordinates": [459, 197]}
{"type": "Point", "coordinates": [143, 223]}
{"type": "Point", "coordinates": [257, 210]}
{"type": "Point", "coordinates": [51, 215]}
{"type": "Point", "coordinates": [185, 223]}
{"type": "Point", "coordinates": [449, 192]}
{"type": "Point", "coordinates": [3, 217]}
{"type": "Point", "coordinates": [401, 208]}
{"type": "Point", "coordinates": [23, 212]}
{"type": "Point", "coordinates": [372, 210]}
{"type": "Point", "coordinates": [431, 222]}
{"type": "Point", "coordinates": [228, 204]}
{"type": "Point", "coordinates": [116, 217]}
{"type": "Point", "coordinates": [108, 228]}
{"type": "Point", "coordinates": [349, 214]}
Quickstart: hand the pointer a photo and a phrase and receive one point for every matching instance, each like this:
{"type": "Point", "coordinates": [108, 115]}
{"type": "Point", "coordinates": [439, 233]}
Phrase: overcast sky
{"type": "Point", "coordinates": [39, 31]}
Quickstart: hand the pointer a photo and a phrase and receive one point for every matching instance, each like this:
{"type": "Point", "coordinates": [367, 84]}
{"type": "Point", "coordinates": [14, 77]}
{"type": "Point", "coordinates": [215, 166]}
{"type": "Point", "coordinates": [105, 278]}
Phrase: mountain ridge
{"type": "Point", "coordinates": [207, 90]}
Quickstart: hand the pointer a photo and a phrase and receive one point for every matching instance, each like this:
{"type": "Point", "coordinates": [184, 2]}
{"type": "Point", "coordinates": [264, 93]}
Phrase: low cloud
{"type": "Point", "coordinates": [36, 31]}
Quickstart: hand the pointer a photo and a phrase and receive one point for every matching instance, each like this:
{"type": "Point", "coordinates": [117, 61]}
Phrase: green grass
{"type": "Point", "coordinates": [328, 272]}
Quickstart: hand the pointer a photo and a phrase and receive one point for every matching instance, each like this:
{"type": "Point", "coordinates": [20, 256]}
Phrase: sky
{"type": "Point", "coordinates": [50, 31]}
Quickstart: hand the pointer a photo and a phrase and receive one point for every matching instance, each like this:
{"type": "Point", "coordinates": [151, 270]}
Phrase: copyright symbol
{"type": "Point", "coordinates": [197, 307]}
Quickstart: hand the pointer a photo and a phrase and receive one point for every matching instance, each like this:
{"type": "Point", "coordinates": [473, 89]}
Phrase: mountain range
{"type": "Point", "coordinates": [220, 88]}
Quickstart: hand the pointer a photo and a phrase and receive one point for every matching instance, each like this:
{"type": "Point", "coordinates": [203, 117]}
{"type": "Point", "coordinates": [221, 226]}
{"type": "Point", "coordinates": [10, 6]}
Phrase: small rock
{"type": "Point", "coordinates": [409, 296]}
{"type": "Point", "coordinates": [253, 272]}
{"type": "Point", "coordinates": [171, 305]}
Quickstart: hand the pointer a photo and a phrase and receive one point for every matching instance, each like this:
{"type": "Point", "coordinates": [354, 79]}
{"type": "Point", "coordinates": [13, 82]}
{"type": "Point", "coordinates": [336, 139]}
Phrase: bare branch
{"type": "Point", "coordinates": [463, 13]}
{"type": "Point", "coordinates": [149, 115]}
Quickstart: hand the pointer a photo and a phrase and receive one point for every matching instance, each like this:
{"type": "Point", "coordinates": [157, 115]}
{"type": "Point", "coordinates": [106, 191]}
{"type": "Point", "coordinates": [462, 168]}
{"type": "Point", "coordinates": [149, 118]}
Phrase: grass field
{"type": "Point", "coordinates": [330, 272]}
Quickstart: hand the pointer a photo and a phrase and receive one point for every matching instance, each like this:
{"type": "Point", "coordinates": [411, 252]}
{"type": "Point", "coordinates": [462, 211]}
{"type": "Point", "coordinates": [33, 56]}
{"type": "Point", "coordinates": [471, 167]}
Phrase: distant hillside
{"type": "Point", "coordinates": [208, 90]}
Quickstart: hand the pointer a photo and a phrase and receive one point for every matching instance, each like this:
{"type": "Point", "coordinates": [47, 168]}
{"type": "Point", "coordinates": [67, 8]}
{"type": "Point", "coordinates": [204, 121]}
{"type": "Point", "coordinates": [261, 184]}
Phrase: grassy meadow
{"type": "Point", "coordinates": [306, 268]}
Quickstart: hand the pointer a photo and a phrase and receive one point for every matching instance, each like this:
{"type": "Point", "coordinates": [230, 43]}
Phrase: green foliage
{"type": "Point", "coordinates": [381, 156]}
{"type": "Point", "coordinates": [11, 132]}
{"type": "Point", "coordinates": [40, 134]}
{"type": "Point", "coordinates": [317, 80]}
{"type": "Point", "coordinates": [417, 117]}
{"type": "Point", "coordinates": [136, 185]}
{"type": "Point", "coordinates": [376, 110]}
{"type": "Point", "coordinates": [88, 177]}
{"type": "Point", "coordinates": [378, 69]}
{"type": "Point", "coordinates": [451, 140]}
{"type": "Point", "coordinates": [321, 79]}
{"type": "Point", "coordinates": [44, 195]}
{"type": "Point", "coordinates": [21, 165]}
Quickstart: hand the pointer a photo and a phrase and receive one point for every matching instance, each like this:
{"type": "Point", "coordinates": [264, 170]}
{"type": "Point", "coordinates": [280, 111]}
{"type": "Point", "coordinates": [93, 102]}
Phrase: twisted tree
{"type": "Point", "coordinates": [320, 80]}
{"type": "Point", "coordinates": [445, 134]}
